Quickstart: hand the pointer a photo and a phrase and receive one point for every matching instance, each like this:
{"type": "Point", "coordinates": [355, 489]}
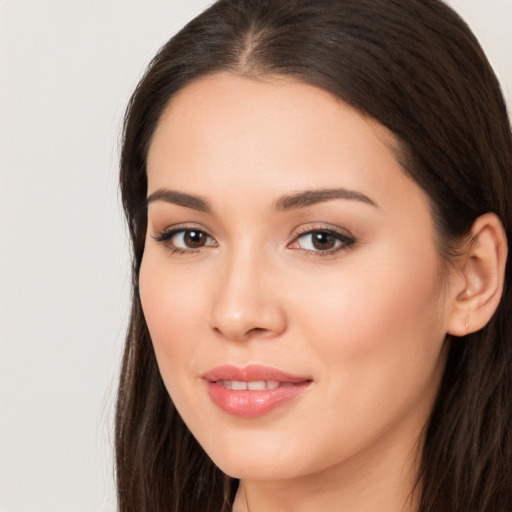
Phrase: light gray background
{"type": "Point", "coordinates": [67, 69]}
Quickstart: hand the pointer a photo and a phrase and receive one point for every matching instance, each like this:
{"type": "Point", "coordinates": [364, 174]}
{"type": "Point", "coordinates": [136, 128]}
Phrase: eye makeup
{"type": "Point", "coordinates": [322, 241]}
{"type": "Point", "coordinates": [318, 240]}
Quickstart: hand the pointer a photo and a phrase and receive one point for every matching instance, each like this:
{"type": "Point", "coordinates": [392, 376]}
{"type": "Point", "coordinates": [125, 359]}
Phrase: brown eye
{"type": "Point", "coordinates": [323, 241]}
{"type": "Point", "coordinates": [194, 239]}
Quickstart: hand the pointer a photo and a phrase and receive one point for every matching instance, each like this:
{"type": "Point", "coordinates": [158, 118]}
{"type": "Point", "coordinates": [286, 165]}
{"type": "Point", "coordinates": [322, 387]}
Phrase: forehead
{"type": "Point", "coordinates": [274, 101]}
{"type": "Point", "coordinates": [226, 132]}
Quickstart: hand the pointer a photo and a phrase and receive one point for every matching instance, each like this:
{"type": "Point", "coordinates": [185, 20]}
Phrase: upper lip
{"type": "Point", "coordinates": [251, 373]}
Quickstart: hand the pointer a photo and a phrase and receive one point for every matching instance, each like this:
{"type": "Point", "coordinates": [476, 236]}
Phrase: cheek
{"type": "Point", "coordinates": [377, 334]}
{"type": "Point", "coordinates": [173, 310]}
{"type": "Point", "coordinates": [379, 299]}
{"type": "Point", "coordinates": [380, 330]}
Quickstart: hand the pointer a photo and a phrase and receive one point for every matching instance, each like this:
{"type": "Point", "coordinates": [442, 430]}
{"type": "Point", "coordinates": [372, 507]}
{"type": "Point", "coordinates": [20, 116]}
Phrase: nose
{"type": "Point", "coordinates": [245, 303]}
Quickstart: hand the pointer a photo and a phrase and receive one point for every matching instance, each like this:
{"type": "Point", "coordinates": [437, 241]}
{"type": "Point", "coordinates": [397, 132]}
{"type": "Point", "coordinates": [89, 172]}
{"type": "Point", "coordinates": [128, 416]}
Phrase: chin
{"type": "Point", "coordinates": [257, 459]}
{"type": "Point", "coordinates": [260, 470]}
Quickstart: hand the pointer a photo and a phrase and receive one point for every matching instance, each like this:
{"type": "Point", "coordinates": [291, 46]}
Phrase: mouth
{"type": "Point", "coordinates": [254, 390]}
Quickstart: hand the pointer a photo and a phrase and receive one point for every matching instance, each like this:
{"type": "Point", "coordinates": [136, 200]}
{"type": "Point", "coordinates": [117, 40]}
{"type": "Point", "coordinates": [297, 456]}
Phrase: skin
{"type": "Point", "coordinates": [366, 322]}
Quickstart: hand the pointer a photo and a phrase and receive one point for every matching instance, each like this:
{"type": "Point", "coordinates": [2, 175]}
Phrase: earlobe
{"type": "Point", "coordinates": [482, 267]}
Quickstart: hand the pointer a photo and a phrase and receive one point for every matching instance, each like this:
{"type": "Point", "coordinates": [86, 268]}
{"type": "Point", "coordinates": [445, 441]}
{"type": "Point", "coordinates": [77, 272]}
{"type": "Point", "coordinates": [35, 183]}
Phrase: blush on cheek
{"type": "Point", "coordinates": [381, 309]}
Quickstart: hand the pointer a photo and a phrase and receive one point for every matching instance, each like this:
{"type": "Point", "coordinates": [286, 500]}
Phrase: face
{"type": "Point", "coordinates": [290, 279]}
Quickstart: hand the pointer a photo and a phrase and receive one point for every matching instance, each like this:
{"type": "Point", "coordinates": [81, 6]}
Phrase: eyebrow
{"type": "Point", "coordinates": [289, 202]}
{"type": "Point", "coordinates": [311, 197]}
{"type": "Point", "coordinates": [180, 199]}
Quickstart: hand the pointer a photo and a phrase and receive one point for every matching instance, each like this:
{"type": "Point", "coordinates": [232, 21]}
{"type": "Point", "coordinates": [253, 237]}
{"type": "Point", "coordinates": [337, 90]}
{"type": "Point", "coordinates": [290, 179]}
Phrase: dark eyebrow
{"type": "Point", "coordinates": [290, 202]}
{"type": "Point", "coordinates": [310, 197]}
{"type": "Point", "coordinates": [179, 198]}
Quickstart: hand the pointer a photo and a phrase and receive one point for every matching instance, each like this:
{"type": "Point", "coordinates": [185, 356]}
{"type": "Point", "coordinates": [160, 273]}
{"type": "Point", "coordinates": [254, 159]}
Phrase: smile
{"type": "Point", "coordinates": [254, 390]}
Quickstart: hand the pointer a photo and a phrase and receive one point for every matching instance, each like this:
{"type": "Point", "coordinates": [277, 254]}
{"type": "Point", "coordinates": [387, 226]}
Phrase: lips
{"type": "Point", "coordinates": [254, 390]}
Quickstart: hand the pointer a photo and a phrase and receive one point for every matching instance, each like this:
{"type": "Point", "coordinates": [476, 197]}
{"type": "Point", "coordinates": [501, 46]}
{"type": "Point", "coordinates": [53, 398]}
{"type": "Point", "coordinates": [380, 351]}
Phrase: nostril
{"type": "Point", "coordinates": [255, 330]}
{"type": "Point", "coordinates": [242, 335]}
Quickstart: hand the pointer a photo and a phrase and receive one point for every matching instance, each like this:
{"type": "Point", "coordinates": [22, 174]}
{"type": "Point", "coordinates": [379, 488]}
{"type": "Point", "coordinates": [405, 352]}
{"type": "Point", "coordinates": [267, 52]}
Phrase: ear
{"type": "Point", "coordinates": [477, 290]}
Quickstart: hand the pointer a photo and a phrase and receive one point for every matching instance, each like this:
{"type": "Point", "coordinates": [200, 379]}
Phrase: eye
{"type": "Point", "coordinates": [184, 240]}
{"type": "Point", "coordinates": [322, 241]}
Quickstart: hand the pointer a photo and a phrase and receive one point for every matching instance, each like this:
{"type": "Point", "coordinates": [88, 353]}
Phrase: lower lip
{"type": "Point", "coordinates": [251, 404]}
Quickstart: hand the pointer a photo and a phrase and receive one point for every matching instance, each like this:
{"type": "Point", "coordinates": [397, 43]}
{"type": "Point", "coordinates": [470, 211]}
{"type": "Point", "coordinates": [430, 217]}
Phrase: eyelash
{"type": "Point", "coordinates": [165, 237]}
{"type": "Point", "coordinates": [345, 241]}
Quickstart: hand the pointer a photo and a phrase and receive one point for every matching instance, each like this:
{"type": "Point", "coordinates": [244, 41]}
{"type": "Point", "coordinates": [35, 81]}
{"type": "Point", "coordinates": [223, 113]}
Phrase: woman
{"type": "Point", "coordinates": [318, 195]}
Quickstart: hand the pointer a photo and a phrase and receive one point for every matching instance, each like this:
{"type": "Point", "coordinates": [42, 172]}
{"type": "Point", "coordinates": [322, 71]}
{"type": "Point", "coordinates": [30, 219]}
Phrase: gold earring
{"type": "Point", "coordinates": [466, 323]}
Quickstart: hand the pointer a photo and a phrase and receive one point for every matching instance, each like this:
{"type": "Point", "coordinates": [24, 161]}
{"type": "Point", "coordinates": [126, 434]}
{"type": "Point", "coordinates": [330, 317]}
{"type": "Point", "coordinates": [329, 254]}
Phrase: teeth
{"type": "Point", "coordinates": [257, 385]}
{"type": "Point", "coordinates": [238, 385]}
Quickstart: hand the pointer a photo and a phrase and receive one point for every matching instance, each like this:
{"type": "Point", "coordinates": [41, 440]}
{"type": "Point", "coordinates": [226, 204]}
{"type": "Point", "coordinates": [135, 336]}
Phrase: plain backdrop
{"type": "Point", "coordinates": [67, 68]}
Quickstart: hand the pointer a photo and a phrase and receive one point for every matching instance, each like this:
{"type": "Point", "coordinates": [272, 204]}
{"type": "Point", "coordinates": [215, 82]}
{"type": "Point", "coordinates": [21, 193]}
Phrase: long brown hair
{"type": "Point", "coordinates": [416, 68]}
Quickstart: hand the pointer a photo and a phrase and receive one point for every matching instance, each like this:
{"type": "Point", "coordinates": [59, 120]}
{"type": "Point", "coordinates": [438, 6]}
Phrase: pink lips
{"type": "Point", "coordinates": [252, 391]}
